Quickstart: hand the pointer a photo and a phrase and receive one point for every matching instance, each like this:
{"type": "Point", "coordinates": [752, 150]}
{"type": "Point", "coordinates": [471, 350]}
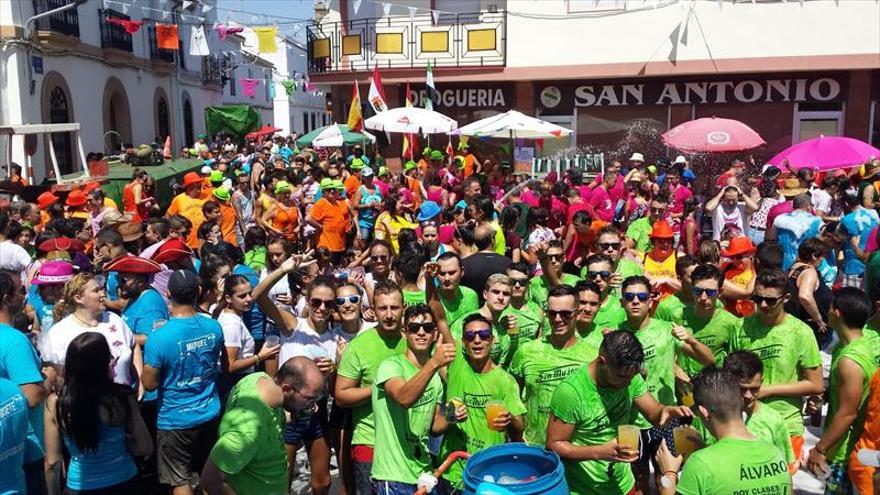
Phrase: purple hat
{"type": "Point", "coordinates": [54, 272]}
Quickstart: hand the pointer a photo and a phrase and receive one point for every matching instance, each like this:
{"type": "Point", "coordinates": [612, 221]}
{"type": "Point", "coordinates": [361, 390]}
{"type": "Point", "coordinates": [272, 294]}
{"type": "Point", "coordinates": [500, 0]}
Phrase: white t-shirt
{"type": "Point", "coordinates": [54, 342]}
{"type": "Point", "coordinates": [306, 342]}
{"type": "Point", "coordinates": [821, 200]}
{"type": "Point", "coordinates": [236, 334]}
{"type": "Point", "coordinates": [13, 258]}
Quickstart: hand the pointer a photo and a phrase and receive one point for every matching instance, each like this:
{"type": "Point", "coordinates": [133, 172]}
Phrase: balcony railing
{"type": "Point", "coordinates": [65, 22]}
{"type": "Point", "coordinates": [113, 35]}
{"type": "Point", "coordinates": [157, 53]}
{"type": "Point", "coordinates": [476, 39]}
{"type": "Point", "coordinates": [212, 69]}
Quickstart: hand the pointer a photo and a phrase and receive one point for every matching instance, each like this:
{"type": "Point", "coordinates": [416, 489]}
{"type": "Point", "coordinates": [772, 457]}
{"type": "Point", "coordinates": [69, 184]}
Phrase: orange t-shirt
{"type": "Point", "coordinates": [740, 278]}
{"type": "Point", "coordinates": [335, 220]}
{"type": "Point", "coordinates": [352, 183]}
{"type": "Point", "coordinates": [468, 165]}
{"type": "Point", "coordinates": [191, 208]}
{"type": "Point", "coordinates": [228, 218]}
{"type": "Point", "coordinates": [414, 185]}
{"type": "Point", "coordinates": [285, 220]}
{"type": "Point", "coordinates": [861, 475]}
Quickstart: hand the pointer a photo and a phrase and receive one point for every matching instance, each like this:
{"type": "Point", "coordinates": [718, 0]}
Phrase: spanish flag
{"type": "Point", "coordinates": [355, 118]}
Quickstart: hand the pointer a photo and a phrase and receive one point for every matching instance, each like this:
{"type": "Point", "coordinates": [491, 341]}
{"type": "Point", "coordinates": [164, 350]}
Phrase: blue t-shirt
{"type": "Point", "coordinates": [110, 464]}
{"type": "Point", "coordinates": [14, 428]}
{"type": "Point", "coordinates": [43, 311]}
{"type": "Point", "coordinates": [791, 230]}
{"type": "Point", "coordinates": [20, 364]}
{"type": "Point", "coordinates": [112, 286]}
{"type": "Point", "coordinates": [140, 315]}
{"type": "Point", "coordinates": [858, 223]}
{"type": "Point", "coordinates": [187, 353]}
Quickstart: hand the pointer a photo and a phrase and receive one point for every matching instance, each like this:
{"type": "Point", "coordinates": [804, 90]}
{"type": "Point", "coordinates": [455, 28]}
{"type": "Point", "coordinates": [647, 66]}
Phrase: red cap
{"type": "Point", "coordinates": [739, 246]}
{"type": "Point", "coordinates": [133, 264]}
{"type": "Point", "coordinates": [76, 198]}
{"type": "Point", "coordinates": [46, 199]}
{"type": "Point", "coordinates": [191, 179]}
{"type": "Point", "coordinates": [662, 230]}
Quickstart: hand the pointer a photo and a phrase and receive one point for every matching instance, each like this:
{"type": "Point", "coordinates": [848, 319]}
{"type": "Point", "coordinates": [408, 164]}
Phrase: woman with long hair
{"type": "Point", "coordinates": [241, 353]}
{"type": "Point", "coordinates": [395, 218]}
{"type": "Point", "coordinates": [282, 217]}
{"type": "Point", "coordinates": [133, 195]}
{"type": "Point", "coordinates": [432, 182]}
{"type": "Point", "coordinates": [98, 422]}
{"type": "Point", "coordinates": [211, 272]}
{"type": "Point", "coordinates": [81, 309]}
{"type": "Point", "coordinates": [689, 239]}
{"type": "Point", "coordinates": [313, 337]}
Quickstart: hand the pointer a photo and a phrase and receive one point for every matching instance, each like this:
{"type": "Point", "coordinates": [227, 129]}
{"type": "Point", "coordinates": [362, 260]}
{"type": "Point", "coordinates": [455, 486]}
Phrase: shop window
{"type": "Point", "coordinates": [818, 119]}
{"type": "Point", "coordinates": [607, 126]}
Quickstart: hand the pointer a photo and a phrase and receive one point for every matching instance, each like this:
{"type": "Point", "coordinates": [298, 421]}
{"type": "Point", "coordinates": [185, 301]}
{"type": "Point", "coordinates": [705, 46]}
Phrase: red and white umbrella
{"type": "Point", "coordinates": [712, 134]}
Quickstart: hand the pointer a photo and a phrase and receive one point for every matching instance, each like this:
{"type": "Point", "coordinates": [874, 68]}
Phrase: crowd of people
{"type": "Point", "coordinates": [659, 328]}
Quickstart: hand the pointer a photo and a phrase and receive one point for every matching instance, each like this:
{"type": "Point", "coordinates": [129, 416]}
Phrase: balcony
{"type": "Point", "coordinates": [212, 70]}
{"type": "Point", "coordinates": [457, 40]}
{"type": "Point", "coordinates": [113, 35]}
{"type": "Point", "coordinates": [157, 53]}
{"type": "Point", "coordinates": [65, 22]}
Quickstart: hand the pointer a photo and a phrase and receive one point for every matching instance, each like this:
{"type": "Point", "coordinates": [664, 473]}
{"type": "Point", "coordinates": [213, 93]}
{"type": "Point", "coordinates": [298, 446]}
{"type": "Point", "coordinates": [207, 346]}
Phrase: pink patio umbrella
{"type": "Point", "coordinates": [827, 153]}
{"type": "Point", "coordinates": [712, 135]}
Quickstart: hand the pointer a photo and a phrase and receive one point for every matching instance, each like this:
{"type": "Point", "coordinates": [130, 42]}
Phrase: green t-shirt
{"type": "Point", "coordinates": [501, 347]}
{"type": "Point", "coordinates": [862, 352]}
{"type": "Point", "coordinates": [401, 450]}
{"type": "Point", "coordinates": [640, 231]}
{"type": "Point", "coordinates": [466, 302]}
{"type": "Point", "coordinates": [476, 390]}
{"type": "Point", "coordinates": [736, 466]}
{"type": "Point", "coordinates": [250, 445]}
{"type": "Point", "coordinates": [539, 290]}
{"type": "Point", "coordinates": [660, 349]}
{"type": "Point", "coordinates": [610, 314]}
{"type": "Point", "coordinates": [766, 424]}
{"type": "Point", "coordinates": [411, 298]}
{"type": "Point", "coordinates": [595, 413]}
{"type": "Point", "coordinates": [785, 350]}
{"type": "Point", "coordinates": [359, 362]}
{"type": "Point", "coordinates": [530, 322]}
{"type": "Point", "coordinates": [540, 367]}
{"type": "Point", "coordinates": [713, 333]}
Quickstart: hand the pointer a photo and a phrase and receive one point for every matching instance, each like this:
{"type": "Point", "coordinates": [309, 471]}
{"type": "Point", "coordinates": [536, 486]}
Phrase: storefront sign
{"type": "Point", "coordinates": [554, 99]}
{"type": "Point", "coordinates": [457, 98]}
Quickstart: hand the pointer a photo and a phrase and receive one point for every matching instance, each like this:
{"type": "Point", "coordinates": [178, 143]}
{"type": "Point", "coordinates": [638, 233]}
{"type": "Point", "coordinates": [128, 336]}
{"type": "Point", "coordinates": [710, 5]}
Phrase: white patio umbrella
{"type": "Point", "coordinates": [512, 125]}
{"type": "Point", "coordinates": [332, 136]}
{"type": "Point", "coordinates": [411, 120]}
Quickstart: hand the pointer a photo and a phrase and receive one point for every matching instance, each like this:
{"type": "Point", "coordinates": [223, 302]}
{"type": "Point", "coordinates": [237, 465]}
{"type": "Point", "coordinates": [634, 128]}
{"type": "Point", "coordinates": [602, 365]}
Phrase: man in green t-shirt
{"type": "Point", "coordinates": [609, 242]}
{"type": "Point", "coordinates": [586, 410]}
{"type": "Point", "coordinates": [409, 266]}
{"type": "Point", "coordinates": [662, 342]}
{"type": "Point", "coordinates": [540, 365]}
{"type": "Point", "coordinates": [738, 462]}
{"type": "Point", "coordinates": [670, 308]}
{"type": "Point", "coordinates": [494, 309]}
{"type": "Point", "coordinates": [474, 381]}
{"type": "Point", "coordinates": [599, 268]}
{"type": "Point", "coordinates": [551, 256]}
{"type": "Point", "coordinates": [405, 401]}
{"type": "Point", "coordinates": [249, 455]}
{"type": "Point", "coordinates": [457, 300]}
{"type": "Point", "coordinates": [530, 320]}
{"type": "Point", "coordinates": [357, 373]}
{"type": "Point", "coordinates": [853, 362]}
{"type": "Point", "coordinates": [788, 349]}
{"type": "Point", "coordinates": [638, 235]}
{"type": "Point", "coordinates": [589, 297]}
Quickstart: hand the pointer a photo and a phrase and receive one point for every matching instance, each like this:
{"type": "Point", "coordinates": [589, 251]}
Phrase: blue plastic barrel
{"type": "Point", "coordinates": [515, 460]}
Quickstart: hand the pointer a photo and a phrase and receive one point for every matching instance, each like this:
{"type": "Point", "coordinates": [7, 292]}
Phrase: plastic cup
{"type": "Point", "coordinates": [628, 437]}
{"type": "Point", "coordinates": [686, 440]}
{"type": "Point", "coordinates": [494, 408]}
{"type": "Point", "coordinates": [272, 340]}
{"type": "Point", "coordinates": [451, 406]}
{"type": "Point", "coordinates": [687, 399]}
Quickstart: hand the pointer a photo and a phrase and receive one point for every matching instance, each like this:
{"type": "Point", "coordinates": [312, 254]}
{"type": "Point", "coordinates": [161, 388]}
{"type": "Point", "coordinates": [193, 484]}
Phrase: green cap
{"type": "Point", "coordinates": [410, 165]}
{"type": "Point", "coordinates": [222, 194]}
{"type": "Point", "coordinates": [436, 155]}
{"type": "Point", "coordinates": [336, 184]}
{"type": "Point", "coordinates": [216, 176]}
{"type": "Point", "coordinates": [357, 164]}
{"type": "Point", "coordinates": [427, 150]}
{"type": "Point", "coordinates": [325, 183]}
{"type": "Point", "coordinates": [282, 186]}
{"type": "Point", "coordinates": [383, 171]}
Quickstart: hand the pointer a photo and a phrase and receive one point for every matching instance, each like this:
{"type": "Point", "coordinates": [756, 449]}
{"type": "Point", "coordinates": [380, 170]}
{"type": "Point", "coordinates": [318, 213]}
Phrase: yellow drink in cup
{"type": "Point", "coordinates": [687, 440]}
{"type": "Point", "coordinates": [494, 408]}
{"type": "Point", "coordinates": [628, 437]}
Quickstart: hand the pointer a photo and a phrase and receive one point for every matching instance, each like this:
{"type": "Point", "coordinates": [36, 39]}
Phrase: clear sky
{"type": "Point", "coordinates": [286, 13]}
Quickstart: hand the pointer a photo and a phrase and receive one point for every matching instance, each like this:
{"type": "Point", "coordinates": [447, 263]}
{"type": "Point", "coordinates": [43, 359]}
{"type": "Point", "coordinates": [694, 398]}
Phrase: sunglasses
{"type": "Point", "coordinates": [565, 314]}
{"type": "Point", "coordinates": [699, 291]}
{"type": "Point", "coordinates": [317, 303]}
{"type": "Point", "coordinates": [605, 274]}
{"type": "Point", "coordinates": [521, 282]}
{"type": "Point", "coordinates": [470, 335]}
{"type": "Point", "coordinates": [771, 301]}
{"type": "Point", "coordinates": [354, 299]}
{"type": "Point", "coordinates": [380, 258]}
{"type": "Point", "coordinates": [555, 257]}
{"type": "Point", "coordinates": [427, 326]}
{"type": "Point", "coordinates": [630, 296]}
{"type": "Point", "coordinates": [605, 246]}
{"type": "Point", "coordinates": [658, 210]}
